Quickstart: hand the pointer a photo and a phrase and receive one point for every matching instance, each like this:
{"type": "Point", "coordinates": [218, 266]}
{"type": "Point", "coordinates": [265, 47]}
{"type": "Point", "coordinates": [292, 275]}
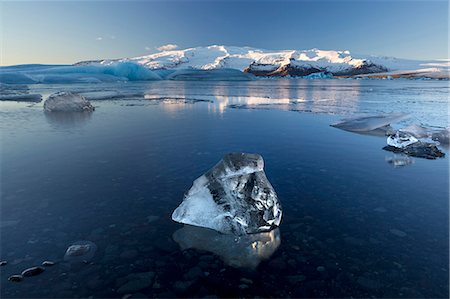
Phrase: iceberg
{"type": "Point", "coordinates": [409, 145]}
{"type": "Point", "coordinates": [233, 197]}
{"type": "Point", "coordinates": [67, 102]}
{"type": "Point", "coordinates": [369, 123]}
{"type": "Point", "coordinates": [245, 251]}
{"type": "Point", "coordinates": [401, 140]}
{"type": "Point", "coordinates": [92, 73]}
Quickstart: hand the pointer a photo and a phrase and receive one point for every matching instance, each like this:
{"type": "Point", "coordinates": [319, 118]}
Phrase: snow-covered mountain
{"type": "Point", "coordinates": [273, 63]}
{"type": "Point", "coordinates": [226, 63]}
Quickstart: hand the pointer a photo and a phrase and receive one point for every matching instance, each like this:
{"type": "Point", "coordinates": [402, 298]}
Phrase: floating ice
{"type": "Point", "coordinates": [369, 123]}
{"type": "Point", "coordinates": [416, 131]}
{"type": "Point", "coordinates": [234, 196]}
{"type": "Point", "coordinates": [245, 251]}
{"type": "Point", "coordinates": [401, 140]}
{"type": "Point", "coordinates": [409, 145]}
{"type": "Point", "coordinates": [442, 136]}
{"type": "Point", "coordinates": [67, 102]}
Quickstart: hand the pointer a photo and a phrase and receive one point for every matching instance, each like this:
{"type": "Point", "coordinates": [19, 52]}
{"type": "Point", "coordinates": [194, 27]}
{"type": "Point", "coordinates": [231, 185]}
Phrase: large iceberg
{"type": "Point", "coordinates": [92, 73]}
{"type": "Point", "coordinates": [234, 196]}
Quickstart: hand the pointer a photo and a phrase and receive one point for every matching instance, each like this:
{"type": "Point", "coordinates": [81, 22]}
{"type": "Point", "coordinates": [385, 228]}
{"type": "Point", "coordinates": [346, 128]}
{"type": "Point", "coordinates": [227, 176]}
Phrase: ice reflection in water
{"type": "Point", "coordinates": [245, 251]}
{"type": "Point", "coordinates": [67, 119]}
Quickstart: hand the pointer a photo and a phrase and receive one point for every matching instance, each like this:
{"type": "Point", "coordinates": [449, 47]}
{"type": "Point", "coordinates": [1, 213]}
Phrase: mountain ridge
{"type": "Point", "coordinates": [280, 63]}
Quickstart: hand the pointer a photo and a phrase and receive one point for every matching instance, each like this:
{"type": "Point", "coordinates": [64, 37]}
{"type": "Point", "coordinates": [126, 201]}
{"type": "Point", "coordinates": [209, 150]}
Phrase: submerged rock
{"type": "Point", "coordinates": [80, 251]}
{"type": "Point", "coordinates": [136, 282]}
{"type": "Point", "coordinates": [234, 196]}
{"type": "Point", "coordinates": [48, 263]}
{"type": "Point", "coordinates": [15, 278]}
{"type": "Point", "coordinates": [33, 271]}
{"type": "Point", "coordinates": [67, 102]}
{"type": "Point", "coordinates": [245, 251]}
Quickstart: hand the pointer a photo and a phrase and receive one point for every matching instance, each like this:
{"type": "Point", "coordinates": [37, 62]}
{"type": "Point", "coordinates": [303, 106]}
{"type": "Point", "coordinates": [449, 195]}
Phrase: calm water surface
{"type": "Point", "coordinates": [353, 225]}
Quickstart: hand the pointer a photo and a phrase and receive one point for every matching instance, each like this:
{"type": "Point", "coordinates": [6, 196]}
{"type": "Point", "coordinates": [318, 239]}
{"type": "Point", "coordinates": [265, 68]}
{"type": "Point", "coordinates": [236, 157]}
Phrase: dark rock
{"type": "Point", "coordinates": [15, 278]}
{"type": "Point", "coordinates": [129, 254]}
{"type": "Point", "coordinates": [278, 264]}
{"type": "Point", "coordinates": [418, 149]}
{"type": "Point", "coordinates": [33, 271]}
{"type": "Point", "coordinates": [292, 69]}
{"type": "Point", "coordinates": [136, 282]}
{"type": "Point", "coordinates": [369, 283]}
{"type": "Point", "coordinates": [48, 263]}
{"type": "Point", "coordinates": [194, 273]}
{"type": "Point", "coordinates": [3, 263]}
{"type": "Point", "coordinates": [320, 269]}
{"type": "Point", "coordinates": [294, 279]}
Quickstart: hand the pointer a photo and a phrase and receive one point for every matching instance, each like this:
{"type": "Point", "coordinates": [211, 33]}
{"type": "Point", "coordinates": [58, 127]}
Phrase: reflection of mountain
{"type": "Point", "coordinates": [245, 251]}
{"type": "Point", "coordinates": [67, 119]}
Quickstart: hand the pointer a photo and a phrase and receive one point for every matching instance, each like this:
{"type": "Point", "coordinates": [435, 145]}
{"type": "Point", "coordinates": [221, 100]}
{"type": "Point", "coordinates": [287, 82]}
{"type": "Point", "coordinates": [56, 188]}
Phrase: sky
{"type": "Point", "coordinates": [63, 32]}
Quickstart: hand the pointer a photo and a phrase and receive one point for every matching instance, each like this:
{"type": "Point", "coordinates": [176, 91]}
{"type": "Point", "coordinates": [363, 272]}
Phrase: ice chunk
{"type": "Point", "coordinates": [17, 93]}
{"type": "Point", "coordinates": [67, 102]}
{"type": "Point", "coordinates": [234, 196]}
{"type": "Point", "coordinates": [245, 251]}
{"type": "Point", "coordinates": [369, 123]}
{"type": "Point", "coordinates": [401, 139]}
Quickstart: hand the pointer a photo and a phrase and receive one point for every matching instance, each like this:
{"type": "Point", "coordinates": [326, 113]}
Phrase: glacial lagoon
{"type": "Point", "coordinates": [354, 224]}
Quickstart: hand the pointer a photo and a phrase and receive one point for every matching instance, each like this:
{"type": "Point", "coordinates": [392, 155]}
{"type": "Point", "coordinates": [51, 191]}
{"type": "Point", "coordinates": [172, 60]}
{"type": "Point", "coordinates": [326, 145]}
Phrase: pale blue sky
{"type": "Point", "coordinates": [67, 32]}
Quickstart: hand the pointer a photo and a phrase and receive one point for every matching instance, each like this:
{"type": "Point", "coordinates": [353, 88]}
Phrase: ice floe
{"type": "Point", "coordinates": [369, 123]}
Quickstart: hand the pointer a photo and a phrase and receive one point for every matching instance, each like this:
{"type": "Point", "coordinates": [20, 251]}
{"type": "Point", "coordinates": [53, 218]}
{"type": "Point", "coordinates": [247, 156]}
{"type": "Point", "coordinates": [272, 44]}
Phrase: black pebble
{"type": "Point", "coordinates": [48, 263]}
{"type": "Point", "coordinates": [3, 263]}
{"type": "Point", "coordinates": [33, 271]}
{"type": "Point", "coordinates": [15, 278]}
